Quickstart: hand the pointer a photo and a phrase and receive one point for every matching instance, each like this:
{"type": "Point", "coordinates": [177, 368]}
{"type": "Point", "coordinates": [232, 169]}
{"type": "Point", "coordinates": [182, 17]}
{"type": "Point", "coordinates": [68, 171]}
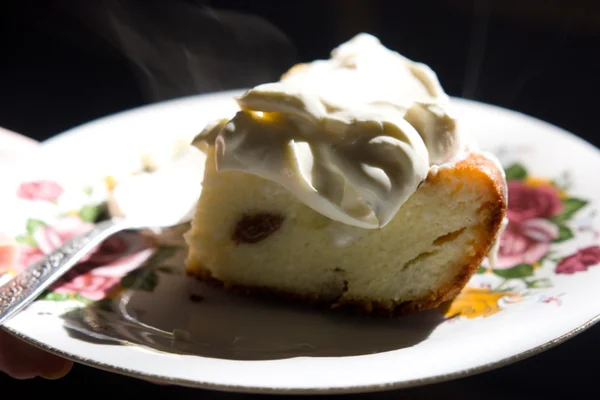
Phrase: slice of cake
{"type": "Point", "coordinates": [347, 182]}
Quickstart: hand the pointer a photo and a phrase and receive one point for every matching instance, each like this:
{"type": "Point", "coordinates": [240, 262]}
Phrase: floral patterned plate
{"type": "Point", "coordinates": [130, 309]}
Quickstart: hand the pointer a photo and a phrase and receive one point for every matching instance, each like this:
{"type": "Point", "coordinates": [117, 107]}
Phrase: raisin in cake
{"type": "Point", "coordinates": [349, 181]}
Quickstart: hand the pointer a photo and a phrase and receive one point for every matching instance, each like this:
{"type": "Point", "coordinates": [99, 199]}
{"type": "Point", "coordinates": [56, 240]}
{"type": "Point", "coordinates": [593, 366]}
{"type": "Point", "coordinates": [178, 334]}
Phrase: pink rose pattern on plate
{"type": "Point", "coordinates": [99, 273]}
{"type": "Point", "coordinates": [579, 261]}
{"type": "Point", "coordinates": [40, 190]}
{"type": "Point", "coordinates": [536, 201]}
{"type": "Point", "coordinates": [540, 214]}
{"type": "Point", "coordinates": [525, 242]}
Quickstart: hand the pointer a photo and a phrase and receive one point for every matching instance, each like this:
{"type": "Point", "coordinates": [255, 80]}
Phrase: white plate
{"type": "Point", "coordinates": [152, 324]}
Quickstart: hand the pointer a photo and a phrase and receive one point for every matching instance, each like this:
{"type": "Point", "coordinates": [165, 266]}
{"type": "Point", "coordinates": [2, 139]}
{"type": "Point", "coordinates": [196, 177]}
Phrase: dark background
{"type": "Point", "coordinates": [63, 63]}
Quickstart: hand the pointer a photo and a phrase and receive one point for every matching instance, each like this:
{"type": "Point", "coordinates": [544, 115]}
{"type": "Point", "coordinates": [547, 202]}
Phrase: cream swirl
{"type": "Point", "coordinates": [352, 137]}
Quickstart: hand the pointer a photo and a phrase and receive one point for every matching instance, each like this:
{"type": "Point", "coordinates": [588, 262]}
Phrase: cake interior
{"type": "Point", "coordinates": [252, 233]}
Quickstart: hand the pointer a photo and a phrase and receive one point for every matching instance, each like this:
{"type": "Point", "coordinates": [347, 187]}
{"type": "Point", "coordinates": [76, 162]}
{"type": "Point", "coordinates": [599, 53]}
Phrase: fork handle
{"type": "Point", "coordinates": [24, 288]}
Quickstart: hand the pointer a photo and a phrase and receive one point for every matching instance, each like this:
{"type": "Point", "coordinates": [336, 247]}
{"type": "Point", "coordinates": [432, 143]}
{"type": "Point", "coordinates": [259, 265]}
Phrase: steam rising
{"type": "Point", "coordinates": [179, 48]}
{"type": "Point", "coordinates": [477, 47]}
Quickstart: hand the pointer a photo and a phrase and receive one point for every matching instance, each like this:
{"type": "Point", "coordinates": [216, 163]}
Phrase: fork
{"type": "Point", "coordinates": [157, 200]}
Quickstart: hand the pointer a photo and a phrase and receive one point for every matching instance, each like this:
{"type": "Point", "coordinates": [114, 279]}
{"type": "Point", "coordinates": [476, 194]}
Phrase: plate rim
{"type": "Point", "coordinates": [315, 390]}
{"type": "Point", "coordinates": [154, 378]}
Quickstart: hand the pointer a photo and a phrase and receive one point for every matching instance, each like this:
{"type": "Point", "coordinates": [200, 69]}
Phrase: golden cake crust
{"type": "Point", "coordinates": [475, 169]}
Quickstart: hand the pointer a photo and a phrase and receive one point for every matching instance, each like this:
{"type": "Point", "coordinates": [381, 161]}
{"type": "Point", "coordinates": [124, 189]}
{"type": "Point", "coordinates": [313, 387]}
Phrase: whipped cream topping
{"type": "Point", "coordinates": [352, 136]}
